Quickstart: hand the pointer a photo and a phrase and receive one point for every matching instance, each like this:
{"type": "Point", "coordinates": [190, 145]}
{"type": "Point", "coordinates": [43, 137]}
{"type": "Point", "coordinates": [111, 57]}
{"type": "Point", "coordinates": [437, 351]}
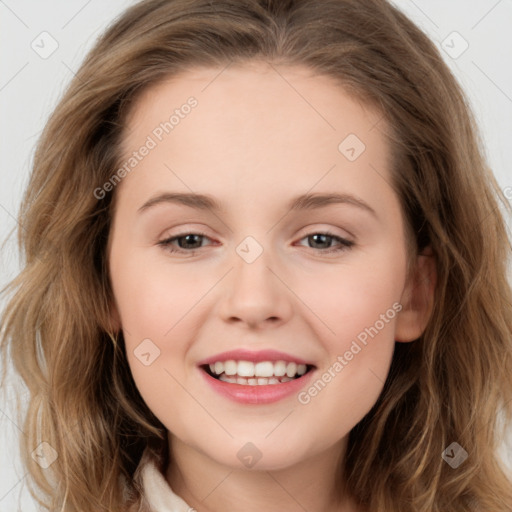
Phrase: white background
{"type": "Point", "coordinates": [30, 87]}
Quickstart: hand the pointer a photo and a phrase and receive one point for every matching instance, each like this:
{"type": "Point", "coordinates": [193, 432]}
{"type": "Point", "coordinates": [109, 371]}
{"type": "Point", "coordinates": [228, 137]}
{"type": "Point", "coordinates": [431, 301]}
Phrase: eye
{"type": "Point", "coordinates": [324, 239]}
{"type": "Point", "coordinates": [190, 242]}
{"type": "Point", "coordinates": [187, 242]}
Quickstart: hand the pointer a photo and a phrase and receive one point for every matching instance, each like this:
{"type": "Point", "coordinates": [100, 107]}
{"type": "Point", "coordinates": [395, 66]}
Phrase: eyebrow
{"type": "Point", "coordinates": [302, 202]}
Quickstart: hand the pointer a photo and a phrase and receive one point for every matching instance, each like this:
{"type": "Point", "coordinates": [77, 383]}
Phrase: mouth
{"type": "Point", "coordinates": [261, 373]}
{"type": "Point", "coordinates": [256, 377]}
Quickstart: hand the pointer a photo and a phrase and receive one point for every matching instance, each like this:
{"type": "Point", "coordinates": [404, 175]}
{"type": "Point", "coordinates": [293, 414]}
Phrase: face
{"type": "Point", "coordinates": [251, 274]}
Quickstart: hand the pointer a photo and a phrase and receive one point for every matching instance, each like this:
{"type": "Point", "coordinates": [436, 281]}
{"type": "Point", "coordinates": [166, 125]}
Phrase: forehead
{"type": "Point", "coordinates": [252, 126]}
{"type": "Point", "coordinates": [235, 90]}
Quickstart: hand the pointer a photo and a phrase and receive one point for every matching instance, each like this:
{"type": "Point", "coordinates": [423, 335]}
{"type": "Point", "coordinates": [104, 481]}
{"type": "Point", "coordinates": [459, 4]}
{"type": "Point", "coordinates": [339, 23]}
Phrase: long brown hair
{"type": "Point", "coordinates": [454, 384]}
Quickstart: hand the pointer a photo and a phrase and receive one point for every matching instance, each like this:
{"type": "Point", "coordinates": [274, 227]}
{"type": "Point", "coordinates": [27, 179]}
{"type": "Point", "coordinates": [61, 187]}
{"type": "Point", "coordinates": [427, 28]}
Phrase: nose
{"type": "Point", "coordinates": [256, 294]}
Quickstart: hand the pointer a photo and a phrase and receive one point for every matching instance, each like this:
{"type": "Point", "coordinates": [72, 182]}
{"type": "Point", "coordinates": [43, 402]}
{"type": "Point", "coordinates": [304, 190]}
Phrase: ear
{"type": "Point", "coordinates": [417, 298]}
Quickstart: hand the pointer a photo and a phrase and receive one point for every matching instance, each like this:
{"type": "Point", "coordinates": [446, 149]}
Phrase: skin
{"type": "Point", "coordinates": [259, 136]}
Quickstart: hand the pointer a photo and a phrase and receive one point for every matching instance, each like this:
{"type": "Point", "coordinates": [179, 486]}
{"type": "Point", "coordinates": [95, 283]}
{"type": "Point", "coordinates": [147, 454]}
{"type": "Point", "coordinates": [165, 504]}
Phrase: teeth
{"type": "Point", "coordinates": [245, 369]}
{"type": "Point", "coordinates": [279, 368]}
{"type": "Point", "coordinates": [264, 369]}
{"type": "Point", "coordinates": [231, 380]}
{"type": "Point", "coordinates": [260, 381]}
{"type": "Point", "coordinates": [263, 372]}
{"type": "Point", "coordinates": [291, 369]}
{"type": "Point", "coordinates": [230, 367]}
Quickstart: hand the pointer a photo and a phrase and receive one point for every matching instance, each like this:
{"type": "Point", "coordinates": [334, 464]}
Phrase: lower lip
{"type": "Point", "coordinates": [264, 394]}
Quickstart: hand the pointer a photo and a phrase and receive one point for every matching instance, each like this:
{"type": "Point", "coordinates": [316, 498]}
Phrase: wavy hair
{"type": "Point", "coordinates": [453, 384]}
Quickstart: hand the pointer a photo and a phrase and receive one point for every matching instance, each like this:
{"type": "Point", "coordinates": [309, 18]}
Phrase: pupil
{"type": "Point", "coordinates": [319, 235]}
{"type": "Point", "coordinates": [187, 240]}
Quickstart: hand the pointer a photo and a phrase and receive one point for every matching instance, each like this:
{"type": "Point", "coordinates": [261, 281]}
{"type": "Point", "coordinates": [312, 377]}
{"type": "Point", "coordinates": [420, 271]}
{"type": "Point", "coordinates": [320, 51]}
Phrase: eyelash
{"type": "Point", "coordinates": [344, 244]}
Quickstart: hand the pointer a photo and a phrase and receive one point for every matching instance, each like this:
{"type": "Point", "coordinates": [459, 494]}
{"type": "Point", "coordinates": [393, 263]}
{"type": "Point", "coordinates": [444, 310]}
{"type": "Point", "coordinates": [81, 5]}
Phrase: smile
{"type": "Point", "coordinates": [262, 373]}
{"type": "Point", "coordinates": [250, 377]}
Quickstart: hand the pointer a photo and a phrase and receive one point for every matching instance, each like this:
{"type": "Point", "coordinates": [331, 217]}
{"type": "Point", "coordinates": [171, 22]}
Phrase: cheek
{"type": "Point", "coordinates": [359, 345]}
{"type": "Point", "coordinates": [354, 296]}
{"type": "Point", "coordinates": [153, 298]}
{"type": "Point", "coordinates": [357, 304]}
{"type": "Point", "coordinates": [156, 306]}
{"type": "Point", "coordinates": [359, 330]}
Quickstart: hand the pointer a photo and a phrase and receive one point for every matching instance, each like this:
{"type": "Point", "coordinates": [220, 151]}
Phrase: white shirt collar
{"type": "Point", "coordinates": [157, 492]}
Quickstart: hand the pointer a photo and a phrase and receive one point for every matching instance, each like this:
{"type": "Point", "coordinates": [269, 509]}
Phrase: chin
{"type": "Point", "coordinates": [259, 456]}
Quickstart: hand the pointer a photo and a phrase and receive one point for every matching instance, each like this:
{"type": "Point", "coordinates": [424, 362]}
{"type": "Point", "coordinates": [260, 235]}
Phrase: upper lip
{"type": "Point", "coordinates": [254, 356]}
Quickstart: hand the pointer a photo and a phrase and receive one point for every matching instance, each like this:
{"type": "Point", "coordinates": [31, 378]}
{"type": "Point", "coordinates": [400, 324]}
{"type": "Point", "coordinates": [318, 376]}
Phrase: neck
{"type": "Point", "coordinates": [207, 486]}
